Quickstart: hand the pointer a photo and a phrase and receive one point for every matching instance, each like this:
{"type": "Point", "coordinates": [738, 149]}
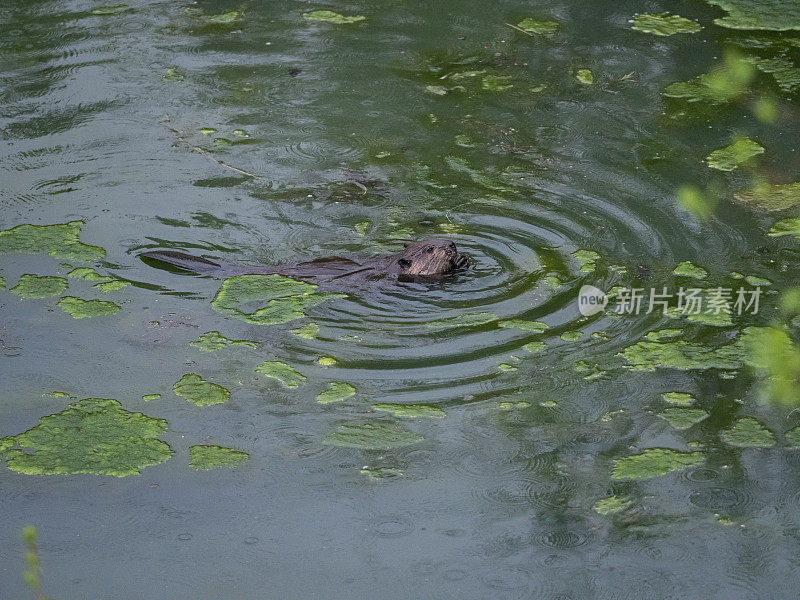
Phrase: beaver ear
{"type": "Point", "coordinates": [404, 262]}
{"type": "Point", "coordinates": [406, 244]}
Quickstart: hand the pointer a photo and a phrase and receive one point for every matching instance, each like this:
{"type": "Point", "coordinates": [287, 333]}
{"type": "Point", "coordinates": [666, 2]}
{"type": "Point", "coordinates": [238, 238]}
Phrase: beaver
{"type": "Point", "coordinates": [425, 259]}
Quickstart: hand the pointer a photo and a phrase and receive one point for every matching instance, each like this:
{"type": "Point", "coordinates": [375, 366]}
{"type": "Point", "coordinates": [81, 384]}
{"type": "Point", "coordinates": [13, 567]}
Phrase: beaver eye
{"type": "Point", "coordinates": [404, 262]}
{"type": "Point", "coordinates": [430, 249]}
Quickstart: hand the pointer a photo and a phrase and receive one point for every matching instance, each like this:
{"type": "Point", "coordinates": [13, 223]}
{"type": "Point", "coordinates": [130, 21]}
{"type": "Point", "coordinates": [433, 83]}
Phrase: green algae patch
{"type": "Point", "coordinates": [211, 341]}
{"type": "Point", "coordinates": [584, 76]}
{"type": "Point", "coordinates": [228, 18]}
{"type": "Point", "coordinates": [770, 15]}
{"type": "Point", "coordinates": [204, 458]}
{"type": "Point", "coordinates": [107, 11]}
{"type": "Point", "coordinates": [150, 397]}
{"type": "Point", "coordinates": [770, 198]}
{"type": "Point", "coordinates": [326, 361]}
{"type": "Point", "coordinates": [683, 418]}
{"type": "Point", "coordinates": [60, 241]}
{"type": "Point", "coordinates": [571, 336]}
{"type": "Point", "coordinates": [552, 281]}
{"type": "Point", "coordinates": [328, 16]}
{"type": "Point", "coordinates": [790, 226]}
{"type": "Point", "coordinates": [792, 438]}
{"type": "Point", "coordinates": [308, 331]}
{"type": "Point", "coordinates": [288, 376]}
{"type": "Point", "coordinates": [111, 286]}
{"type": "Point", "coordinates": [720, 86]}
{"type": "Point", "coordinates": [336, 392]}
{"type": "Point", "coordinates": [286, 299]}
{"type": "Point", "coordinates": [538, 27]}
{"type": "Point", "coordinates": [532, 326]}
{"type": "Point", "coordinates": [372, 436]}
{"type": "Point", "coordinates": [664, 24]}
{"type": "Point", "coordinates": [34, 286]}
{"type": "Point", "coordinates": [682, 355]}
{"type": "Point", "coordinates": [655, 462]}
{"type": "Point", "coordinates": [496, 83]}
{"type": "Point", "coordinates": [410, 410]}
{"type": "Point", "coordinates": [200, 392]}
{"type": "Point", "coordinates": [377, 473]}
{"type": "Point", "coordinates": [661, 334]}
{"type": "Point", "coordinates": [87, 274]}
{"type": "Point", "coordinates": [689, 269]}
{"type": "Point", "coordinates": [94, 435]}
{"type": "Point", "coordinates": [748, 433]}
{"type": "Point", "coordinates": [678, 398]}
{"type": "Point", "coordinates": [506, 368]}
{"type": "Point", "coordinates": [78, 308]}
{"type": "Point", "coordinates": [587, 259]}
{"type": "Point", "coordinates": [756, 281]}
{"type": "Point", "coordinates": [513, 405]}
{"type": "Point", "coordinates": [534, 347]}
{"type": "Point", "coordinates": [730, 157]}
{"type": "Point", "coordinates": [611, 505]}
{"type": "Point", "coordinates": [465, 320]}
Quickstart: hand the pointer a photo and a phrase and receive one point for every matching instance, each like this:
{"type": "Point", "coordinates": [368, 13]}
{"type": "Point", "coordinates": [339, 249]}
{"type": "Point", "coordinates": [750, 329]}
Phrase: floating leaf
{"type": "Point", "coordinates": [59, 241]}
{"type": "Point", "coordinates": [94, 435]}
{"type": "Point", "coordinates": [372, 436]}
{"type": "Point", "coordinates": [227, 18]}
{"type": "Point", "coordinates": [149, 397]}
{"type": "Point", "coordinates": [82, 309]}
{"type": "Point", "coordinates": [200, 392]}
{"type": "Point", "coordinates": [410, 410]}
{"type": "Point", "coordinates": [338, 391]}
{"type": "Point", "coordinates": [664, 24]}
{"type": "Point", "coordinates": [438, 90]}
{"type": "Point", "coordinates": [308, 331]}
{"type": "Point", "coordinates": [539, 27]}
{"type": "Point", "coordinates": [655, 462]}
{"type": "Point", "coordinates": [328, 16]}
{"type": "Point", "coordinates": [211, 341]}
{"type": "Point", "coordinates": [34, 286]}
{"type": "Point", "coordinates": [689, 269]}
{"type": "Point", "coordinates": [87, 274]}
{"type": "Point", "coordinates": [326, 361]}
{"type": "Point", "coordinates": [611, 505]}
{"type": "Point", "coordinates": [571, 336]}
{"type": "Point", "coordinates": [274, 369]}
{"type": "Point", "coordinates": [533, 326]}
{"type": "Point", "coordinates": [103, 11]}
{"type": "Point", "coordinates": [111, 286]}
{"type": "Point", "coordinates": [678, 398]}
{"type": "Point", "coordinates": [204, 458]}
{"type": "Point", "coordinates": [730, 157]}
{"type": "Point", "coordinates": [584, 76]}
{"type": "Point", "coordinates": [748, 433]}
{"type": "Point", "coordinates": [683, 355]}
{"type": "Point", "coordinates": [770, 197]}
{"type": "Point", "coordinates": [770, 15]}
{"type": "Point", "coordinates": [513, 405]}
{"type": "Point", "coordinates": [587, 259]}
{"type": "Point", "coordinates": [683, 418]}
{"type": "Point", "coordinates": [719, 86]}
{"type": "Point", "coordinates": [496, 83]}
{"type": "Point", "coordinates": [790, 226]}
{"type": "Point", "coordinates": [533, 347]}
{"type": "Point", "coordinates": [792, 438]}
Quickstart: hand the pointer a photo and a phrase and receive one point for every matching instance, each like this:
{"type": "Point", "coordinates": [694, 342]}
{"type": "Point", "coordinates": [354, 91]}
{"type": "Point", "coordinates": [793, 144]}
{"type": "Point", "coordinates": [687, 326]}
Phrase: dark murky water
{"type": "Point", "coordinates": [354, 155]}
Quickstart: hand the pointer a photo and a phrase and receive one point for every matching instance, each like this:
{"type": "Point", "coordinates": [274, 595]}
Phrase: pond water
{"type": "Point", "coordinates": [247, 132]}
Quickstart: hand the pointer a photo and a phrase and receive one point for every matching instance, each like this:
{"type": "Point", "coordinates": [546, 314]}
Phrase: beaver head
{"type": "Point", "coordinates": [429, 258]}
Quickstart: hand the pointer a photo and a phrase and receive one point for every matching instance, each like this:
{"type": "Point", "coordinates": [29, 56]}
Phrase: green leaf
{"type": "Point", "coordinates": [288, 376]}
{"type": "Point", "coordinates": [538, 27]}
{"type": "Point", "coordinates": [770, 15]}
{"type": "Point", "coordinates": [730, 157]}
{"type": "Point", "coordinates": [655, 462]}
{"type": "Point", "coordinates": [328, 16]}
{"type": "Point", "coordinates": [200, 392]}
{"type": "Point", "coordinates": [204, 458]}
{"type": "Point", "coordinates": [664, 24]}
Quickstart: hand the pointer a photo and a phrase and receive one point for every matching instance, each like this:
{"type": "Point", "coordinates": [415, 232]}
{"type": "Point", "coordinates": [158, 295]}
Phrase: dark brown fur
{"type": "Point", "coordinates": [426, 259]}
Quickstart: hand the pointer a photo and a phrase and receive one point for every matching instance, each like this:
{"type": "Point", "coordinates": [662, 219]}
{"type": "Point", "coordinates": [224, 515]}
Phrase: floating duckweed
{"type": "Point", "coordinates": [173, 74]}
{"type": "Point", "coordinates": [748, 433]}
{"type": "Point", "coordinates": [94, 435]}
{"type": "Point", "coordinates": [513, 405]}
{"type": "Point", "coordinates": [584, 76]}
{"type": "Point", "coordinates": [326, 361]}
{"type": "Point", "coordinates": [533, 326]}
{"type": "Point", "coordinates": [683, 418]}
{"type": "Point", "coordinates": [660, 334]}
{"type": "Point", "coordinates": [361, 228]}
{"type": "Point", "coordinates": [540, 27]}
{"type": "Point", "coordinates": [410, 410]}
{"type": "Point", "coordinates": [438, 90]}
{"type": "Point", "coordinates": [571, 336]}
{"type": "Point", "coordinates": [770, 197]}
{"type": "Point", "coordinates": [34, 286]}
{"type": "Point", "coordinates": [655, 462]}
{"type": "Point", "coordinates": [505, 367]}
{"type": "Point", "coordinates": [611, 505]}
{"type": "Point", "coordinates": [87, 274]}
{"type": "Point", "coordinates": [538, 88]}
{"type": "Point", "coordinates": [464, 141]}
{"type": "Point", "coordinates": [678, 398]}
{"type": "Point", "coordinates": [204, 458]}
{"type": "Point", "coordinates": [664, 24]}
{"type": "Point", "coordinates": [771, 15]}
{"type": "Point", "coordinates": [792, 438]}
{"type": "Point", "coordinates": [465, 320]}
{"type": "Point", "coordinates": [757, 281]}
{"type": "Point", "coordinates": [783, 71]}
{"type": "Point", "coordinates": [286, 298]}
{"type": "Point", "coordinates": [689, 269]}
{"type": "Point", "coordinates": [82, 309]}
{"type": "Point", "coordinates": [207, 130]}
{"type": "Point", "coordinates": [460, 165]}
{"type": "Point", "coordinates": [534, 347]}
{"type": "Point", "coordinates": [227, 18]}
{"type": "Point", "coordinates": [587, 259]}
{"type": "Point", "coordinates": [59, 241]}
{"type": "Point", "coordinates": [680, 354]}
{"type": "Point", "coordinates": [111, 286]}
{"type": "Point", "coordinates": [372, 436]}
{"type": "Point", "coordinates": [721, 85]}
{"type": "Point", "coordinates": [548, 403]}
{"type": "Point", "coordinates": [730, 157]}
{"type": "Point", "coordinates": [308, 331]}
{"type": "Point", "coordinates": [790, 226]}
{"type": "Point", "coordinates": [2, 282]}
{"type": "Point", "coordinates": [149, 397]}
{"type": "Point", "coordinates": [496, 83]}
{"type": "Point", "coordinates": [381, 472]}
{"type": "Point", "coordinates": [57, 394]}
{"type": "Point", "coordinates": [103, 11]}
{"type": "Point", "coordinates": [551, 281]}
{"type": "Point", "coordinates": [737, 275]}
{"type": "Point", "coordinates": [328, 16]}
{"type": "Point", "coordinates": [282, 372]}
{"type": "Point", "coordinates": [240, 133]}
{"type": "Point", "coordinates": [200, 392]}
{"type": "Point", "coordinates": [336, 392]}
{"type": "Point", "coordinates": [211, 341]}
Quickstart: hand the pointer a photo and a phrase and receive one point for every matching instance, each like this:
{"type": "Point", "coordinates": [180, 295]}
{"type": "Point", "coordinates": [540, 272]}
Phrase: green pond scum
{"type": "Point", "coordinates": [288, 376]}
{"type": "Point", "coordinates": [612, 505]}
{"type": "Point", "coordinates": [539, 27]}
{"type": "Point", "coordinates": [664, 24]}
{"type": "Point", "coordinates": [200, 392]}
{"type": "Point", "coordinates": [689, 269]}
{"type": "Point", "coordinates": [683, 418]}
{"type": "Point", "coordinates": [678, 398]}
{"type": "Point", "coordinates": [372, 436]}
{"type": "Point", "coordinates": [748, 433]}
{"type": "Point", "coordinates": [203, 457]}
{"type": "Point", "coordinates": [328, 16]}
{"type": "Point", "coordinates": [336, 392]}
{"type": "Point", "coordinates": [531, 326]}
{"type": "Point", "coordinates": [94, 435]}
{"type": "Point", "coordinates": [587, 260]}
{"type": "Point", "coordinates": [79, 308]}
{"type": "Point", "coordinates": [412, 411]}
{"type": "Point", "coordinates": [59, 241]}
{"type": "Point", "coordinates": [326, 361]}
{"type": "Point", "coordinates": [211, 341]}
{"type": "Point", "coordinates": [730, 157]}
{"type": "Point", "coordinates": [34, 286]}
{"type": "Point", "coordinates": [309, 331]}
{"type": "Point", "coordinates": [655, 462]}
